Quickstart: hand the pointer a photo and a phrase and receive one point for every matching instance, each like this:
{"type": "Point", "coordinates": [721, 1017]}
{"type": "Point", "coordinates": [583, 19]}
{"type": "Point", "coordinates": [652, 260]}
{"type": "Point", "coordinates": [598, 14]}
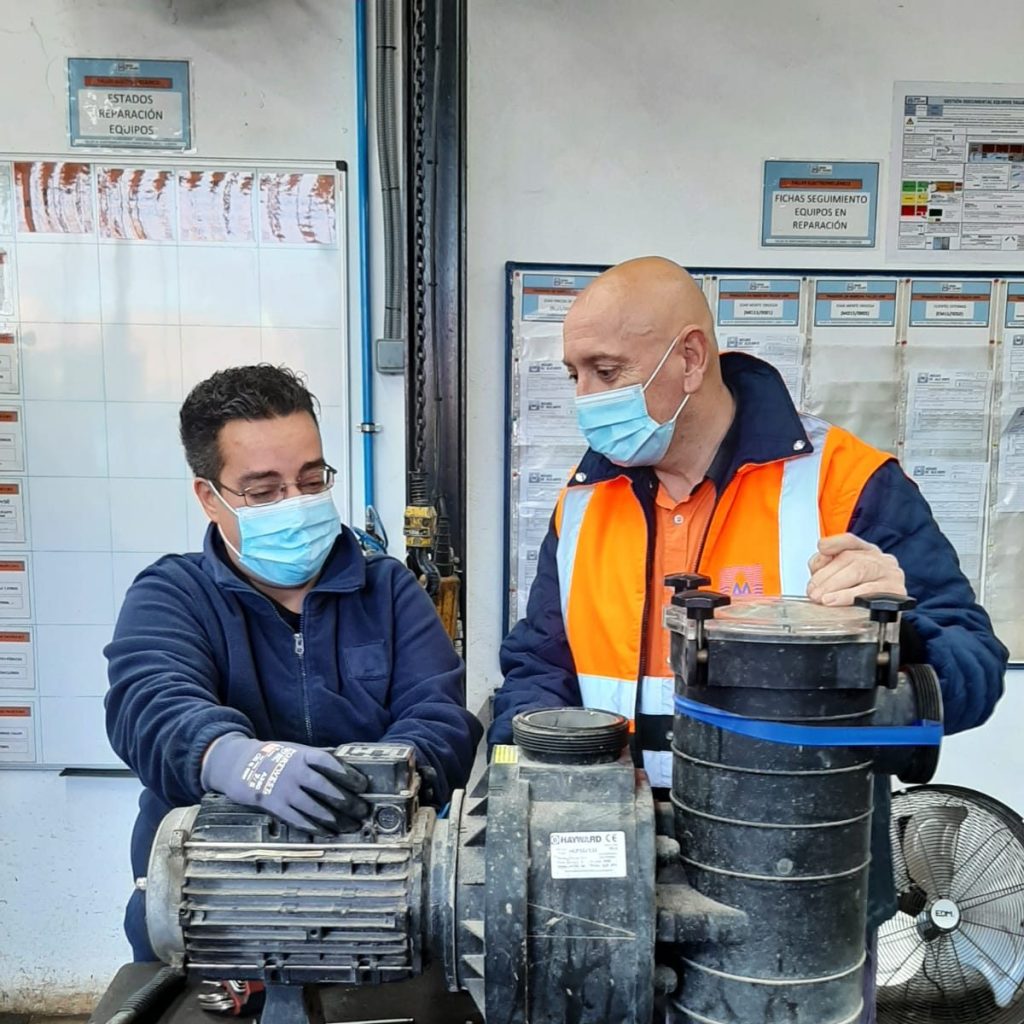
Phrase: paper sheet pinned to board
{"type": "Point", "coordinates": [783, 349]}
{"type": "Point", "coordinates": [298, 208]}
{"type": "Point", "coordinates": [948, 410]}
{"type": "Point", "coordinates": [956, 492]}
{"type": "Point", "coordinates": [135, 203]}
{"type": "Point", "coordinates": [543, 473]}
{"type": "Point", "coordinates": [1010, 478]}
{"type": "Point", "coordinates": [547, 404]}
{"type": "Point", "coordinates": [215, 206]}
{"type": "Point", "coordinates": [54, 197]}
{"type": "Point", "coordinates": [1013, 373]}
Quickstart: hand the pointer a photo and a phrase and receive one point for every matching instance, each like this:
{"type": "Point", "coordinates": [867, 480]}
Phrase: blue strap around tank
{"type": "Point", "coordinates": [920, 734]}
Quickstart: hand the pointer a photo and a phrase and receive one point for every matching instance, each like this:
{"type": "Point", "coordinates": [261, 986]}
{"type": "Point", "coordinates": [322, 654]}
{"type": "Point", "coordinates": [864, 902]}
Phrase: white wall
{"type": "Point", "coordinates": [607, 130]}
{"type": "Point", "coordinates": [273, 79]}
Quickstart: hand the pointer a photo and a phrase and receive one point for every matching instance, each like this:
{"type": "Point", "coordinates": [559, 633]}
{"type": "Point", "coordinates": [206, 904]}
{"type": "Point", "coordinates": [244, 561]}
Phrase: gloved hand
{"type": "Point", "coordinates": [303, 786]}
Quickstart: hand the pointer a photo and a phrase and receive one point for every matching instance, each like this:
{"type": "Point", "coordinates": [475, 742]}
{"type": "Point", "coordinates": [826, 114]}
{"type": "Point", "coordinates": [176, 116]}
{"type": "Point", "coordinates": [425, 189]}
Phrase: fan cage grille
{"type": "Point", "coordinates": [950, 843]}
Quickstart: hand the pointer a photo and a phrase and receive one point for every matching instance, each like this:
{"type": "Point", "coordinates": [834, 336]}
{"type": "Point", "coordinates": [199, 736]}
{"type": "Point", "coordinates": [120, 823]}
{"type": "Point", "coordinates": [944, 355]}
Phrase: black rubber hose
{"type": "Point", "coordinates": [155, 994]}
{"type": "Point", "coordinates": [387, 157]}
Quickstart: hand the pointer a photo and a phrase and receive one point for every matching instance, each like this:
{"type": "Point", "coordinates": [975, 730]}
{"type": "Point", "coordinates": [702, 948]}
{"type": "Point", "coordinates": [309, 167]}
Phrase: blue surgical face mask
{"type": "Point", "coordinates": [287, 543]}
{"type": "Point", "coordinates": [617, 424]}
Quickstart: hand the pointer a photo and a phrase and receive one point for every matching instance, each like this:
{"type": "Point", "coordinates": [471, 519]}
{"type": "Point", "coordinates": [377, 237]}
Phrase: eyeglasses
{"type": "Point", "coordinates": [313, 481]}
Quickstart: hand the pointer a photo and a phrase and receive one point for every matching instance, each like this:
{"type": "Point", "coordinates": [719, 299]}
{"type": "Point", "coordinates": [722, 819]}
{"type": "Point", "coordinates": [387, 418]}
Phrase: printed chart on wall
{"type": "Point", "coordinates": [958, 173]}
{"type": "Point", "coordinates": [928, 367]}
{"type": "Point", "coordinates": [123, 283]}
{"type": "Point", "coordinates": [546, 444]}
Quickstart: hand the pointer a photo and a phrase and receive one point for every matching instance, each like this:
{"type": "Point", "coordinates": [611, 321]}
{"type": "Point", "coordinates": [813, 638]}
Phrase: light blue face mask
{"type": "Point", "coordinates": [617, 424]}
{"type": "Point", "coordinates": [287, 543]}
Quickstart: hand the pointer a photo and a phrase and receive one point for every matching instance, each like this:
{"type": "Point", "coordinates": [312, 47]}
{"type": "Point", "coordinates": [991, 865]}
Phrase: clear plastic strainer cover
{"type": "Point", "coordinates": [790, 620]}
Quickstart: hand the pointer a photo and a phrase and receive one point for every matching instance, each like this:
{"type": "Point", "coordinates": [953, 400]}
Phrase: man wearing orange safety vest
{"type": "Point", "coordinates": [702, 462]}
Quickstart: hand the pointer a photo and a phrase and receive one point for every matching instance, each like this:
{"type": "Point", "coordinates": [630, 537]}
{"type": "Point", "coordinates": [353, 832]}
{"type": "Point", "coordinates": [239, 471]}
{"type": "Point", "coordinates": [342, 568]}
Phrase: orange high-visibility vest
{"type": "Point", "coordinates": [765, 527]}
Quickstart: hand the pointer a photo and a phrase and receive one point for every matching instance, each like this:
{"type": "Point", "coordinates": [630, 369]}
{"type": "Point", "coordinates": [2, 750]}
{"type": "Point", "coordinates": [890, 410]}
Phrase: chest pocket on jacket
{"type": "Point", "coordinates": [369, 666]}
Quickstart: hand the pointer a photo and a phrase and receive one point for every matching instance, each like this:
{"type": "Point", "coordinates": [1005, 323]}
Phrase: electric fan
{"type": "Point", "coordinates": [955, 950]}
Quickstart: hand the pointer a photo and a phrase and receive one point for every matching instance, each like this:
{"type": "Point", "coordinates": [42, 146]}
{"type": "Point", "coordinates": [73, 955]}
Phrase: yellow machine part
{"type": "Point", "coordinates": [420, 526]}
{"type": "Point", "coordinates": [446, 601]}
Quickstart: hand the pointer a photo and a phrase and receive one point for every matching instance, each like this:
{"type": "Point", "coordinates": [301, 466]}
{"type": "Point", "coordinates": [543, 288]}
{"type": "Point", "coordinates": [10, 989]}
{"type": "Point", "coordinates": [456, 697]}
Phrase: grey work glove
{"type": "Point", "coordinates": [303, 786]}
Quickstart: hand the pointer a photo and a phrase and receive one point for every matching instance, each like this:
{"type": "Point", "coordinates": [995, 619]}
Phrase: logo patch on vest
{"type": "Point", "coordinates": [742, 581]}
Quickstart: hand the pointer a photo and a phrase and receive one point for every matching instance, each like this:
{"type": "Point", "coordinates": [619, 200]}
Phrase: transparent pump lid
{"type": "Point", "coordinates": [783, 620]}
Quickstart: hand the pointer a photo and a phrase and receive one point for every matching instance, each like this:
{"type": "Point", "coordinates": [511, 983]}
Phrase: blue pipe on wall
{"type": "Point", "coordinates": [365, 312]}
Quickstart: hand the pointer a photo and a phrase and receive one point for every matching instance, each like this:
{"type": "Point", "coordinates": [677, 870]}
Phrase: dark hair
{"type": "Point", "coordinates": [239, 393]}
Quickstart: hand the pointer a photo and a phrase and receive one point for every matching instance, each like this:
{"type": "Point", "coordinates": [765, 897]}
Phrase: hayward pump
{"type": "Point", "coordinates": [558, 890]}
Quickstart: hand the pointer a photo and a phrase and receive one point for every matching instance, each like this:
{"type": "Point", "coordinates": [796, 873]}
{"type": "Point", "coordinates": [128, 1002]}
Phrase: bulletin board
{"type": "Point", "coordinates": [123, 283]}
{"type": "Point", "coordinates": [924, 365]}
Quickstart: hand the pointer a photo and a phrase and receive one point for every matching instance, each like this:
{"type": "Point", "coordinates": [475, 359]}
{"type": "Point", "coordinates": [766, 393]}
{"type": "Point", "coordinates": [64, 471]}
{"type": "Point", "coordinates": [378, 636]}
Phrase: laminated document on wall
{"type": "Point", "coordinates": [958, 180]}
{"type": "Point", "coordinates": [17, 732]}
{"type": "Point", "coordinates": [948, 358]}
{"type": "Point", "coordinates": [853, 376]}
{"type": "Point", "coordinates": [948, 387]}
{"type": "Point", "coordinates": [547, 408]}
{"type": "Point", "coordinates": [169, 269]}
{"type": "Point", "coordinates": [1005, 537]}
{"type": "Point", "coordinates": [12, 511]}
{"type": "Point", "coordinates": [957, 493]}
{"type": "Point", "coordinates": [546, 444]}
{"type": "Point", "coordinates": [9, 376]}
{"type": "Point", "coordinates": [1009, 421]}
{"type": "Point", "coordinates": [761, 317]}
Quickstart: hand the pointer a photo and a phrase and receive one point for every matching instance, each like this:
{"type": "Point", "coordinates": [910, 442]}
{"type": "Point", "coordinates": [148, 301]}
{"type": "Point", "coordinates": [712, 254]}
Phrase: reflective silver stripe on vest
{"type": "Point", "coordinates": [658, 765]}
{"type": "Point", "coordinates": [606, 693]}
{"type": "Point", "coordinates": [658, 695]}
{"type": "Point", "coordinates": [574, 507]}
{"type": "Point", "coordinates": [799, 523]}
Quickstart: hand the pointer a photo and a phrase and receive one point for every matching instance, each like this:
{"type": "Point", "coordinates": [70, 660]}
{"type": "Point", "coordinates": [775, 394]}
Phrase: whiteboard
{"type": "Point", "coordinates": [123, 283]}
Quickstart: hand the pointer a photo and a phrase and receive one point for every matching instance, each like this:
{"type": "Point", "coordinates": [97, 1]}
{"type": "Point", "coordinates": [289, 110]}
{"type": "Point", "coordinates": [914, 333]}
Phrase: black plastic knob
{"type": "Point", "coordinates": [687, 581]}
{"type": "Point", "coordinates": [885, 607]}
{"type": "Point", "coordinates": [700, 604]}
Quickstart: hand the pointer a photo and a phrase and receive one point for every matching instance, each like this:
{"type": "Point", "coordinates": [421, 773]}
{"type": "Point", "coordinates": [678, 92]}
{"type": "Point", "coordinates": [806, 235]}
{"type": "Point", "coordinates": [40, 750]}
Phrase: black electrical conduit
{"type": "Point", "coordinates": [419, 559]}
{"type": "Point", "coordinates": [153, 996]}
{"type": "Point", "coordinates": [387, 156]}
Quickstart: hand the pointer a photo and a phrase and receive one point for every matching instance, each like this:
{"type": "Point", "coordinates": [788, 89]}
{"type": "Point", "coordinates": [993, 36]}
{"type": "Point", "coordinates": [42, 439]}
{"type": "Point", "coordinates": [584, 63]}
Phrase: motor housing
{"type": "Point", "coordinates": [232, 892]}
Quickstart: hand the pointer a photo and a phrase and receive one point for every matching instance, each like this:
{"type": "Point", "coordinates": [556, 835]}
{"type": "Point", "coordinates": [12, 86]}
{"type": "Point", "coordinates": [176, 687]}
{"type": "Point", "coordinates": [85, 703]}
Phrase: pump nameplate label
{"type": "Point", "coordinates": [588, 854]}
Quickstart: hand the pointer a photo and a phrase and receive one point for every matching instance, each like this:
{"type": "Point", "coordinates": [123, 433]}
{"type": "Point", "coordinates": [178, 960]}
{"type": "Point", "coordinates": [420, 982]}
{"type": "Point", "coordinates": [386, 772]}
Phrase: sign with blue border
{"type": "Point", "coordinates": [854, 302]}
{"type": "Point", "coordinates": [949, 303]}
{"type": "Point", "coordinates": [819, 204]}
{"type": "Point", "coordinates": [1015, 304]}
{"type": "Point", "coordinates": [549, 296]}
{"type": "Point", "coordinates": [129, 104]}
{"type": "Point", "coordinates": [745, 300]}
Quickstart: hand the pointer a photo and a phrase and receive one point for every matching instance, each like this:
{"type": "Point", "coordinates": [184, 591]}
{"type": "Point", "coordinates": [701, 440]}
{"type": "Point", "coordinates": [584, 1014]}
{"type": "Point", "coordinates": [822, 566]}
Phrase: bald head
{"type": "Point", "coordinates": [619, 327]}
{"type": "Point", "coordinates": [647, 298]}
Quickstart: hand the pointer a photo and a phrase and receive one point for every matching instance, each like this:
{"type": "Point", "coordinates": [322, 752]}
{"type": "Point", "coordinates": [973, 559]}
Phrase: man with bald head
{"type": "Point", "coordinates": [701, 462]}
